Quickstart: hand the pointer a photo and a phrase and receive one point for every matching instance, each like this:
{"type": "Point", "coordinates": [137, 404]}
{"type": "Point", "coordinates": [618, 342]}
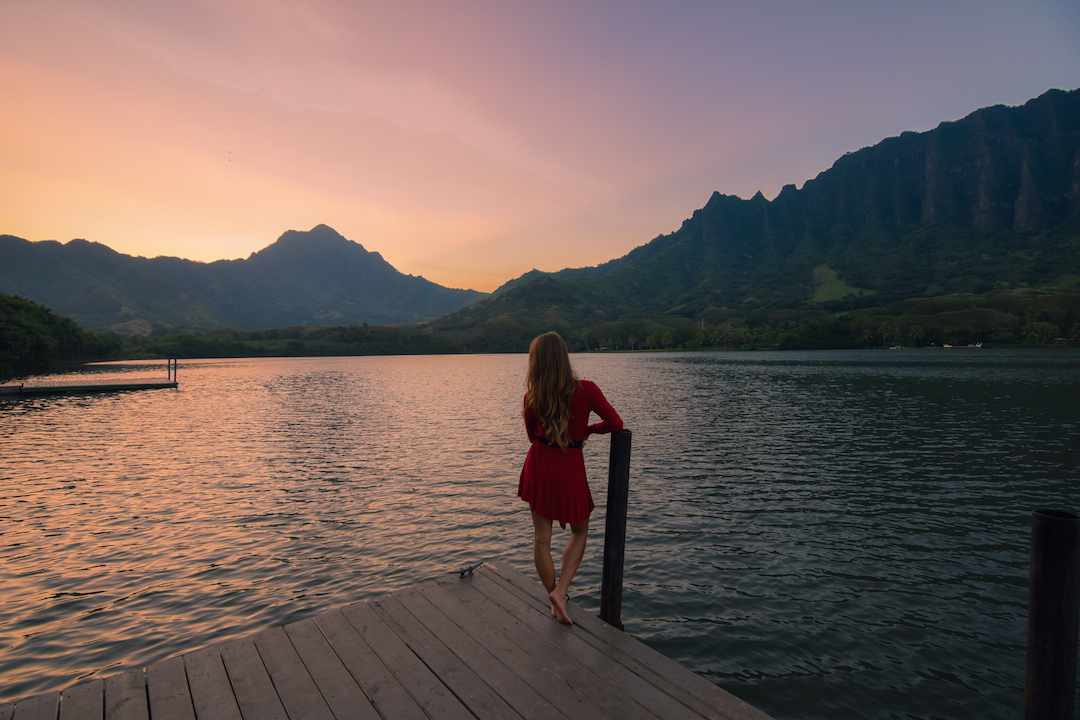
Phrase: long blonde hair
{"type": "Point", "coordinates": [550, 383]}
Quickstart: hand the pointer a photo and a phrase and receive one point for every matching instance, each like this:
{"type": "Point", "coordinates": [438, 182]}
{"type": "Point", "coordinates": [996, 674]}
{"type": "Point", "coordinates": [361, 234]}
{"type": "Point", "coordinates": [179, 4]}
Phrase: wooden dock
{"type": "Point", "coordinates": [483, 646]}
{"type": "Point", "coordinates": [82, 387]}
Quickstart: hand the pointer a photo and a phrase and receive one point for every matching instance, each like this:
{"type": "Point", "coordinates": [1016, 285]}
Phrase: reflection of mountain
{"type": "Point", "coordinates": [305, 278]}
{"type": "Point", "coordinates": [992, 200]}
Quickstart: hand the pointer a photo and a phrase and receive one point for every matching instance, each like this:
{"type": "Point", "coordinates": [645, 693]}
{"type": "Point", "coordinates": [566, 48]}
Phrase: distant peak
{"type": "Point", "coordinates": [320, 233]}
{"type": "Point", "coordinates": [322, 229]}
{"type": "Point", "coordinates": [317, 232]}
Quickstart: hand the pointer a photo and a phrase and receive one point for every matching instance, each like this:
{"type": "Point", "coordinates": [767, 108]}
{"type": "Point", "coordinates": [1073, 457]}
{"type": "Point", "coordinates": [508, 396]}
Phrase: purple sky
{"type": "Point", "coordinates": [469, 142]}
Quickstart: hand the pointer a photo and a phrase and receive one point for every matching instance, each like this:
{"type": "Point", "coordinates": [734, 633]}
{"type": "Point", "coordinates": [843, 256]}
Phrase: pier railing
{"type": "Point", "coordinates": [615, 528]}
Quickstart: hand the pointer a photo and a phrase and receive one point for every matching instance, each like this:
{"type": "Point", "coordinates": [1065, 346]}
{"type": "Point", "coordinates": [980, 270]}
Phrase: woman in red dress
{"type": "Point", "coordinates": [557, 407]}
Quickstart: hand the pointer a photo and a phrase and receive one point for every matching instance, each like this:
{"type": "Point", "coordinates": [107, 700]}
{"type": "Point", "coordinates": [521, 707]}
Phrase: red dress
{"type": "Point", "coordinates": [552, 481]}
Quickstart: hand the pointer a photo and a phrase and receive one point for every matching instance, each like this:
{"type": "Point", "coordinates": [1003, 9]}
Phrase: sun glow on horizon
{"type": "Point", "coordinates": [467, 145]}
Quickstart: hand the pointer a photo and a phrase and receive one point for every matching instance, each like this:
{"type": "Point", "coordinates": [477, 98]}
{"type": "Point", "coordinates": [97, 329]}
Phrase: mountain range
{"type": "Point", "coordinates": [304, 278]}
{"type": "Point", "coordinates": [988, 203]}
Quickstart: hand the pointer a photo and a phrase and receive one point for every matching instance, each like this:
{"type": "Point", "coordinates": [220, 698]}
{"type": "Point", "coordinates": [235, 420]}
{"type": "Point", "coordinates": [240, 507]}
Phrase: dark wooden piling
{"type": "Point", "coordinates": [615, 528]}
{"type": "Point", "coordinates": [1053, 616]}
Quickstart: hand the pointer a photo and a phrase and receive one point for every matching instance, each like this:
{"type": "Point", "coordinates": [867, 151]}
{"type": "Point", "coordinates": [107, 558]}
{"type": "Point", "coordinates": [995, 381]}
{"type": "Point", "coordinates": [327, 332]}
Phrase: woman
{"type": "Point", "coordinates": [557, 407]}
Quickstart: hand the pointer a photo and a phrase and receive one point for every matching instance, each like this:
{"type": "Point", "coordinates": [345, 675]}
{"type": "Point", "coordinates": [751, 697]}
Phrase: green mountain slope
{"type": "Point", "coordinates": [988, 202]}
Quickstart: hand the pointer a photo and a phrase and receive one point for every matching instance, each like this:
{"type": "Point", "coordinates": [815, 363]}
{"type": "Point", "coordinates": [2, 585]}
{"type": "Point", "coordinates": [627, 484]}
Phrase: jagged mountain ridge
{"type": "Point", "coordinates": [304, 278]}
{"type": "Point", "coordinates": [987, 201]}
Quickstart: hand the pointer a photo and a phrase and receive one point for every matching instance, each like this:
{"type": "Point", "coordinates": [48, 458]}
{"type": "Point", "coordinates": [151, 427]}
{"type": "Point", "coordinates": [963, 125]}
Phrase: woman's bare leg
{"type": "Point", "coordinates": [545, 568]}
{"type": "Point", "coordinates": [571, 559]}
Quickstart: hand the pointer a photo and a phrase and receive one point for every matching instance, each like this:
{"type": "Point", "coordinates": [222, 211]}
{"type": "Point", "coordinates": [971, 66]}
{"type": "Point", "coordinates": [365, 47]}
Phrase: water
{"type": "Point", "coordinates": [829, 534]}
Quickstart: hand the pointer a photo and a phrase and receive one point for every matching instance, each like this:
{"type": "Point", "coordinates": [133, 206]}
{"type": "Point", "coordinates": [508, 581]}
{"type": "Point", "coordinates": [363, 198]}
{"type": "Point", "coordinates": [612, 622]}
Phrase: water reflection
{"type": "Point", "coordinates": [824, 534]}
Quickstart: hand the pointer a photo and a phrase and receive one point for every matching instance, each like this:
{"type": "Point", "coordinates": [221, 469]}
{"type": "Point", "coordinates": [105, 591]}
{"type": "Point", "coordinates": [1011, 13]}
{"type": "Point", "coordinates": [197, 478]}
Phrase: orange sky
{"type": "Point", "coordinates": [469, 142]}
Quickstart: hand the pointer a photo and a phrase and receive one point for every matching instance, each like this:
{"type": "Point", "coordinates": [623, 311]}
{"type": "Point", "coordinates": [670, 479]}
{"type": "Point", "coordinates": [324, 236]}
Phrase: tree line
{"type": "Point", "coordinates": [34, 340]}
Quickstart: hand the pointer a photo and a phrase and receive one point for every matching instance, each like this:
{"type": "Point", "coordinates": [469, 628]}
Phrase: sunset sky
{"type": "Point", "coordinates": [472, 141]}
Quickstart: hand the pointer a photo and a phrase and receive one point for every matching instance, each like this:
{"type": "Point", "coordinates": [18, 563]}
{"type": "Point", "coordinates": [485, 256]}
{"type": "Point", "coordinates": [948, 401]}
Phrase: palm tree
{"type": "Point", "coordinates": [884, 330]}
{"type": "Point", "coordinates": [916, 333]}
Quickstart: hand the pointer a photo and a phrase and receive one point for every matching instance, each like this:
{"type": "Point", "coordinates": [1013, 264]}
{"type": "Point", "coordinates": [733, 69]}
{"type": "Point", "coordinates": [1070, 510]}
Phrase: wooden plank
{"type": "Point", "coordinates": [638, 688]}
{"type": "Point", "coordinates": [428, 691]}
{"type": "Point", "coordinates": [85, 701]}
{"type": "Point", "coordinates": [7, 710]}
{"type": "Point", "coordinates": [646, 687]}
{"type": "Point", "coordinates": [382, 688]}
{"type": "Point", "coordinates": [549, 685]}
{"type": "Point", "coordinates": [681, 683]}
{"type": "Point", "coordinates": [481, 653]}
{"type": "Point", "coordinates": [479, 695]}
{"type": "Point", "coordinates": [38, 707]}
{"type": "Point", "coordinates": [167, 687]}
{"type": "Point", "coordinates": [211, 693]}
{"type": "Point", "coordinates": [539, 635]}
{"type": "Point", "coordinates": [125, 696]}
{"type": "Point", "coordinates": [297, 691]}
{"type": "Point", "coordinates": [250, 682]}
{"type": "Point", "coordinates": [341, 691]}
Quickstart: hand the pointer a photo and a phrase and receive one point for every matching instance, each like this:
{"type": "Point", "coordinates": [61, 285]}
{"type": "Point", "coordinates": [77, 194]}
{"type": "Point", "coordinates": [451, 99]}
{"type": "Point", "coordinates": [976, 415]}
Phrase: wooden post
{"type": "Point", "coordinates": [1053, 614]}
{"type": "Point", "coordinates": [615, 528]}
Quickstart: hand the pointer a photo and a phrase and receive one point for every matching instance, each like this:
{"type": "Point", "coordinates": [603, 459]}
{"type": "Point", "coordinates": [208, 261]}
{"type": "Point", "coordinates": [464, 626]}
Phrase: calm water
{"type": "Point", "coordinates": [826, 535]}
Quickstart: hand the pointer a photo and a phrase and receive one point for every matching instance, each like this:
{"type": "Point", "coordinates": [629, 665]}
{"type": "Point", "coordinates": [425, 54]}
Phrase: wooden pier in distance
{"type": "Point", "coordinates": [56, 388]}
{"type": "Point", "coordinates": [482, 646]}
{"type": "Point", "coordinates": [90, 385]}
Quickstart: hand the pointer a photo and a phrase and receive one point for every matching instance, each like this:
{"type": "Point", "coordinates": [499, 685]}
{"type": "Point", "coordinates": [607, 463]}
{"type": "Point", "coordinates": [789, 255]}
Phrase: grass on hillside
{"type": "Point", "coordinates": [830, 287]}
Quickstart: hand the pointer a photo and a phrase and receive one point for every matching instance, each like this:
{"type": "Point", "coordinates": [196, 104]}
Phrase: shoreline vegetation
{"type": "Point", "coordinates": [34, 340]}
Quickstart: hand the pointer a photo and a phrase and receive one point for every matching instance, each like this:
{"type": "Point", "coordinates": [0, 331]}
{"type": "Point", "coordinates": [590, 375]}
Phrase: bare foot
{"type": "Point", "coordinates": [558, 605]}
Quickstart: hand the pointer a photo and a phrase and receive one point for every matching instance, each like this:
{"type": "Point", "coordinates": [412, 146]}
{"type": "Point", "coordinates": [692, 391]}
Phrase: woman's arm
{"type": "Point", "coordinates": [610, 420]}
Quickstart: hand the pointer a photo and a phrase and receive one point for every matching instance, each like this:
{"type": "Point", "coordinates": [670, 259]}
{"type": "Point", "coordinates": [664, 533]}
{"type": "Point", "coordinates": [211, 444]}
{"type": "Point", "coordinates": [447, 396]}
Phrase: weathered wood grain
{"type": "Point", "coordinates": [168, 691]}
{"type": "Point", "coordinates": [85, 701]}
{"type": "Point", "coordinates": [38, 707]}
{"type": "Point", "coordinates": [292, 680]}
{"type": "Point", "coordinates": [125, 696]}
{"type": "Point", "coordinates": [211, 693]}
{"type": "Point", "coordinates": [473, 692]}
{"type": "Point", "coordinates": [430, 693]}
{"type": "Point", "coordinates": [504, 647]}
{"type": "Point", "coordinates": [555, 645]}
{"type": "Point", "coordinates": [689, 688]}
{"type": "Point", "coordinates": [251, 682]}
{"type": "Point", "coordinates": [641, 688]}
{"type": "Point", "coordinates": [343, 694]}
{"type": "Point", "coordinates": [384, 690]}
